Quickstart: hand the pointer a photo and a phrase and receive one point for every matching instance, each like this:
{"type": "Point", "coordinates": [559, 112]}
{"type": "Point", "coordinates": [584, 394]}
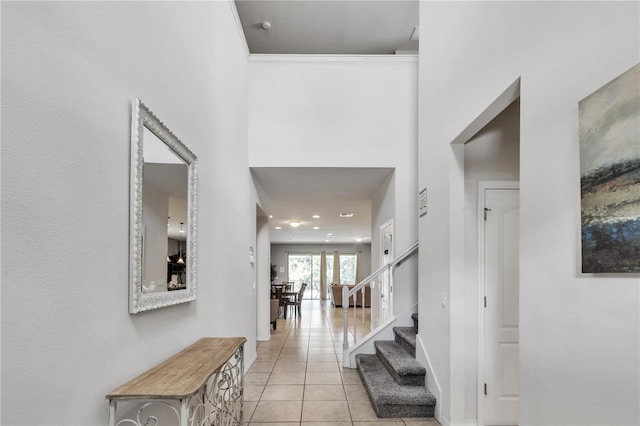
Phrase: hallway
{"type": "Point", "coordinates": [298, 376]}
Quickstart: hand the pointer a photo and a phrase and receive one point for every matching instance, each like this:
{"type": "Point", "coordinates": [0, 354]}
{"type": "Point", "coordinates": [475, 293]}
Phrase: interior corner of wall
{"type": "Point", "coordinates": [248, 362]}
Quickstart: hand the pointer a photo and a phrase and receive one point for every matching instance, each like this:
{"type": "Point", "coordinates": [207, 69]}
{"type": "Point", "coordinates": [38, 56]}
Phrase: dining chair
{"type": "Point", "coordinates": [279, 294]}
{"type": "Point", "coordinates": [296, 300]}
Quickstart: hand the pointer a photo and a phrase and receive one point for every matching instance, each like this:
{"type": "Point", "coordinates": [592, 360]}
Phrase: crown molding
{"type": "Point", "coordinates": [333, 58]}
{"type": "Point", "coordinates": [236, 18]}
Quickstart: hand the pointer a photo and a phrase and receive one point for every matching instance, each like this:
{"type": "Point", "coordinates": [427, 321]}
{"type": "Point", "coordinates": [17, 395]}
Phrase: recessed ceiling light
{"type": "Point", "coordinates": [294, 223]}
{"type": "Point", "coordinates": [358, 239]}
{"type": "Point", "coordinates": [346, 214]}
{"type": "Point", "coordinates": [316, 227]}
{"type": "Point", "coordinates": [278, 227]}
{"type": "Point", "coordinates": [326, 241]}
{"type": "Point", "coordinates": [266, 25]}
{"type": "Point", "coordinates": [316, 216]}
{"type": "Point", "coordinates": [270, 216]}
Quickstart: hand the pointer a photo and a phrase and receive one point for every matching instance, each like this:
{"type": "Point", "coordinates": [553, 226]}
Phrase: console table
{"type": "Point", "coordinates": [201, 385]}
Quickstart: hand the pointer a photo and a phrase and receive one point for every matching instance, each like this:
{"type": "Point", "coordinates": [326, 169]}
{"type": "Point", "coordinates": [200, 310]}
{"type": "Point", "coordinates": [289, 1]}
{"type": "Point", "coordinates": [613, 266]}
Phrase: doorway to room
{"type": "Point", "coordinates": [487, 150]}
{"type": "Point", "coordinates": [386, 281]}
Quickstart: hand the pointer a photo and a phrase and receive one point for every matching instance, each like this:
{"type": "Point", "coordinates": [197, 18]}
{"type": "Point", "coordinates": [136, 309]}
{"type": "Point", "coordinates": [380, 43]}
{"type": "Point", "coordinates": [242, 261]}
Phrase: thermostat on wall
{"type": "Point", "coordinates": [422, 202]}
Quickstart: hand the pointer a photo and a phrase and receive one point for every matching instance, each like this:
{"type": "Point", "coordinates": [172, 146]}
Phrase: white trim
{"type": "Point", "coordinates": [383, 332]}
{"type": "Point", "coordinates": [431, 378]}
{"type": "Point", "coordinates": [506, 98]}
{"type": "Point", "coordinates": [456, 307]}
{"type": "Point", "coordinates": [483, 185]}
{"type": "Point", "coordinates": [365, 345]}
{"type": "Point", "coordinates": [236, 18]}
{"type": "Point", "coordinates": [253, 57]}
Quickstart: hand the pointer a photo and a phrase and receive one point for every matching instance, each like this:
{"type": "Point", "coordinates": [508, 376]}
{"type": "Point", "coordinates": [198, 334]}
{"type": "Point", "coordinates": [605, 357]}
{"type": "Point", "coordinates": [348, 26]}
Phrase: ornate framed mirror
{"type": "Point", "coordinates": [162, 242]}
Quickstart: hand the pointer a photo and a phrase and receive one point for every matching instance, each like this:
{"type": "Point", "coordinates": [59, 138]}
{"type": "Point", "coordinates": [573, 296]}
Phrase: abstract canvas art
{"type": "Point", "coordinates": [609, 121]}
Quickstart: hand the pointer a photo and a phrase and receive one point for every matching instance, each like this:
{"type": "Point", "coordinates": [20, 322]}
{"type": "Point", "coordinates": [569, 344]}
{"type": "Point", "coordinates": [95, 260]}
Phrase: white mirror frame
{"type": "Point", "coordinates": [138, 301]}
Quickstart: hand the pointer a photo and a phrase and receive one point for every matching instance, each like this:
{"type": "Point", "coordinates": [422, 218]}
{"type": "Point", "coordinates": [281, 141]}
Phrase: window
{"type": "Point", "coordinates": [348, 268]}
{"type": "Point", "coordinates": [305, 268]}
{"type": "Point", "coordinates": [348, 265]}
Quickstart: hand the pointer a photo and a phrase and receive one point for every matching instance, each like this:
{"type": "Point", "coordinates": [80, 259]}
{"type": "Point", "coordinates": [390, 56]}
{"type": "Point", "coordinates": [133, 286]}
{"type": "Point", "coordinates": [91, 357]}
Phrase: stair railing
{"type": "Point", "coordinates": [360, 287]}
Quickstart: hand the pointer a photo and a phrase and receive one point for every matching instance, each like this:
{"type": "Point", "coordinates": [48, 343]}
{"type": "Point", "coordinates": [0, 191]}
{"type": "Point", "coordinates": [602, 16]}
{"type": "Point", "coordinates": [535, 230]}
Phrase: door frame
{"type": "Point", "coordinates": [381, 231]}
{"type": "Point", "coordinates": [483, 185]}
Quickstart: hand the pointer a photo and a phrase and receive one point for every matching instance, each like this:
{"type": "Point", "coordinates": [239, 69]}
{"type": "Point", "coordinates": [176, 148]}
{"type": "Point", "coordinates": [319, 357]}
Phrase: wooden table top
{"type": "Point", "coordinates": [183, 374]}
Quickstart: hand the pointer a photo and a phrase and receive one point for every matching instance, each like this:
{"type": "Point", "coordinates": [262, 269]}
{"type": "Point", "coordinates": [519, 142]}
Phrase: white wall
{"type": "Point", "coordinates": [262, 252]}
{"type": "Point", "coordinates": [341, 112]}
{"type": "Point", "coordinates": [492, 154]}
{"type": "Point", "coordinates": [69, 73]}
{"type": "Point", "coordinates": [579, 334]}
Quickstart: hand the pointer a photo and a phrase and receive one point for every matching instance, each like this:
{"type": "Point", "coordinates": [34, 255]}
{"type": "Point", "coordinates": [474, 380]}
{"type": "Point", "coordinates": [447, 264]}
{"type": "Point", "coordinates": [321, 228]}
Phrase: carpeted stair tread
{"type": "Point", "coordinates": [390, 399]}
{"type": "Point", "coordinates": [406, 337]}
{"type": "Point", "coordinates": [404, 368]}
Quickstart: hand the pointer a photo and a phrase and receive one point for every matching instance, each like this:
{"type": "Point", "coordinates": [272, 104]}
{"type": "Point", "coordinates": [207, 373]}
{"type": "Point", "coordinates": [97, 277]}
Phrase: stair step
{"type": "Point", "coordinates": [404, 368]}
{"type": "Point", "coordinates": [414, 317]}
{"type": "Point", "coordinates": [406, 337]}
{"type": "Point", "coordinates": [390, 399]}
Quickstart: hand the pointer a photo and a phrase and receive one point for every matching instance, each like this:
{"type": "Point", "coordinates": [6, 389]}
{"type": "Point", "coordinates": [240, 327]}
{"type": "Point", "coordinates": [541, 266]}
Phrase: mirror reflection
{"type": "Point", "coordinates": [164, 211]}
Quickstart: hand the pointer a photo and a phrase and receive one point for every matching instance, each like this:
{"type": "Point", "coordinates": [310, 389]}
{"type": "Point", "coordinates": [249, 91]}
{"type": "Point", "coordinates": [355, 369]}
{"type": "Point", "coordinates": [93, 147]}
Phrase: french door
{"type": "Point", "coordinates": [305, 268]}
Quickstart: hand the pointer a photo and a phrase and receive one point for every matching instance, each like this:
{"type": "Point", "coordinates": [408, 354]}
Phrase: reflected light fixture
{"type": "Point", "coordinates": [316, 227]}
{"type": "Point", "coordinates": [278, 227]}
{"type": "Point", "coordinates": [180, 259]}
{"type": "Point", "coordinates": [316, 216]}
{"type": "Point", "coordinates": [294, 223]}
{"type": "Point", "coordinates": [346, 214]}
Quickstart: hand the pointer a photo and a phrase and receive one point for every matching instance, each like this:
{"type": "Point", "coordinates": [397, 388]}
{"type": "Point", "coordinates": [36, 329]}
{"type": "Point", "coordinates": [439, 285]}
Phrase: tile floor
{"type": "Point", "coordinates": [298, 377]}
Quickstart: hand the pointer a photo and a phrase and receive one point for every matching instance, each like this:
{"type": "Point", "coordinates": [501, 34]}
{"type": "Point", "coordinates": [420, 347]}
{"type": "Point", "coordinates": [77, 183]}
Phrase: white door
{"type": "Point", "coordinates": [501, 314]}
{"type": "Point", "coordinates": [386, 284]}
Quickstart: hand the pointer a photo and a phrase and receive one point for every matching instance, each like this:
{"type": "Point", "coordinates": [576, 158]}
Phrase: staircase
{"type": "Point", "coordinates": [394, 380]}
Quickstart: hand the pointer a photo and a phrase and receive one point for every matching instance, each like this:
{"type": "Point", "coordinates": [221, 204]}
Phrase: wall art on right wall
{"type": "Point", "coordinates": [609, 122]}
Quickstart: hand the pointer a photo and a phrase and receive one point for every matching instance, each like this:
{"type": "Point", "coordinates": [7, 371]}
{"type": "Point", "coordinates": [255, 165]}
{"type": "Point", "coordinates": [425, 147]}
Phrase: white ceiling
{"type": "Point", "coordinates": [299, 193]}
{"type": "Point", "coordinates": [354, 27]}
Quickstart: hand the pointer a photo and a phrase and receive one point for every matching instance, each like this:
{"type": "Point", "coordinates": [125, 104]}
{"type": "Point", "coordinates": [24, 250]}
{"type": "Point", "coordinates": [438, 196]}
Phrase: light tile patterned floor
{"type": "Point", "coordinates": [298, 377]}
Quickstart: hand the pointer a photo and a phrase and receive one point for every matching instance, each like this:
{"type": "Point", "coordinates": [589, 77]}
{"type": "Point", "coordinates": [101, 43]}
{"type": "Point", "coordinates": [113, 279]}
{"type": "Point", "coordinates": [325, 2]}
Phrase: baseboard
{"type": "Point", "coordinates": [432, 380]}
